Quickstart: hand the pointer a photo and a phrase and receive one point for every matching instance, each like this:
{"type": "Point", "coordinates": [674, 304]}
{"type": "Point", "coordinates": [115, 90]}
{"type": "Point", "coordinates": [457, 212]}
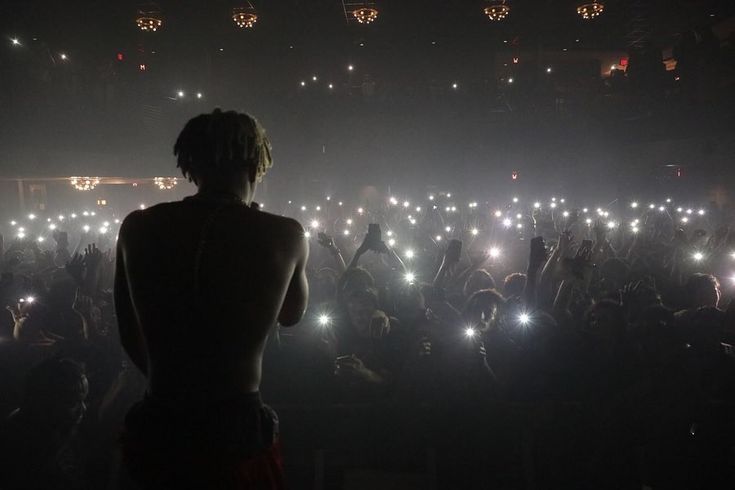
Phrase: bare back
{"type": "Point", "coordinates": [207, 281]}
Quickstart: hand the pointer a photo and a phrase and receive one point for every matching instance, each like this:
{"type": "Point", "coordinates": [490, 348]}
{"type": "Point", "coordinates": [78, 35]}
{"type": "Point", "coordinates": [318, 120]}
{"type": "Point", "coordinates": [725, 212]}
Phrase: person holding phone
{"type": "Point", "coordinates": [199, 286]}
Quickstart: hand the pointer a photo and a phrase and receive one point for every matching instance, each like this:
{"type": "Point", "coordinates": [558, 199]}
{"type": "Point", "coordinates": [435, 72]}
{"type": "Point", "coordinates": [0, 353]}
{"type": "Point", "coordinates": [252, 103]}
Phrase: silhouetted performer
{"type": "Point", "coordinates": [200, 284]}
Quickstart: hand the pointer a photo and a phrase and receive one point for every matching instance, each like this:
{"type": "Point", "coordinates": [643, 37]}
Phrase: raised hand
{"type": "Point", "coordinates": [538, 254]}
{"type": "Point", "coordinates": [75, 268]}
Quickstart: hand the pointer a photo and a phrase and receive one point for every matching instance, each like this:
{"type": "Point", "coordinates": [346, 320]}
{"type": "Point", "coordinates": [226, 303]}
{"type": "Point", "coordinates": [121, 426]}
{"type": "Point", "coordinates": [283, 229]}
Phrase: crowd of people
{"type": "Point", "coordinates": [610, 329]}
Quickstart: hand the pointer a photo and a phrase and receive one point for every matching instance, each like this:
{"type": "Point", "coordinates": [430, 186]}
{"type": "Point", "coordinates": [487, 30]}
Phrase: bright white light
{"type": "Point", "coordinates": [340, 203]}
{"type": "Point", "coordinates": [85, 213]}
{"type": "Point", "coordinates": [698, 256]}
{"type": "Point", "coordinates": [685, 220]}
{"type": "Point", "coordinates": [86, 228]}
{"type": "Point", "coordinates": [418, 209]}
{"type": "Point", "coordinates": [588, 221]}
{"type": "Point", "coordinates": [438, 238]}
{"type": "Point", "coordinates": [410, 254]}
{"type": "Point", "coordinates": [448, 229]}
{"type": "Point", "coordinates": [31, 217]}
{"type": "Point", "coordinates": [406, 204]}
{"type": "Point", "coordinates": [314, 223]}
{"type": "Point", "coordinates": [519, 225]}
{"type": "Point", "coordinates": [494, 252]}
{"type": "Point", "coordinates": [199, 95]}
{"type": "Point", "coordinates": [302, 83]}
{"type": "Point", "coordinates": [510, 80]}
{"type": "Point", "coordinates": [331, 86]}
{"type": "Point", "coordinates": [106, 223]}
{"type": "Point", "coordinates": [679, 210]}
{"type": "Point", "coordinates": [307, 234]}
{"type": "Point", "coordinates": [391, 242]}
{"type": "Point", "coordinates": [346, 232]}
{"type": "Point", "coordinates": [651, 206]}
{"type": "Point", "coordinates": [61, 217]}
{"type": "Point", "coordinates": [314, 78]}
{"type": "Point", "coordinates": [498, 214]}
{"type": "Point", "coordinates": [455, 85]}
{"type": "Point", "coordinates": [732, 255]}
{"type": "Point", "coordinates": [303, 208]}
{"type": "Point", "coordinates": [410, 277]}
{"type": "Point", "coordinates": [515, 199]}
{"type": "Point", "coordinates": [142, 206]}
{"type": "Point", "coordinates": [634, 229]}
{"type": "Point", "coordinates": [474, 231]}
{"type": "Point", "coordinates": [519, 216]}
{"type": "Point", "coordinates": [668, 200]}
{"type": "Point", "coordinates": [662, 208]}
{"type": "Point", "coordinates": [318, 208]}
{"type": "Point", "coordinates": [524, 318]}
{"type": "Point", "coordinates": [700, 212]}
{"type": "Point", "coordinates": [470, 332]}
{"type": "Point", "coordinates": [537, 205]}
{"type": "Point", "coordinates": [389, 233]}
{"type": "Point", "coordinates": [117, 221]}
{"type": "Point", "coordinates": [611, 225]}
{"type": "Point", "coordinates": [454, 209]}
{"type": "Point", "coordinates": [349, 222]}
{"type": "Point", "coordinates": [449, 195]}
{"type": "Point", "coordinates": [393, 201]}
{"type": "Point", "coordinates": [552, 205]}
{"type": "Point", "coordinates": [21, 235]}
{"type": "Point", "coordinates": [180, 93]}
{"type": "Point", "coordinates": [13, 223]}
{"type": "Point", "coordinates": [15, 41]}
{"type": "Point", "coordinates": [634, 205]}
{"type": "Point", "coordinates": [73, 215]}
{"type": "Point", "coordinates": [431, 198]}
{"type": "Point", "coordinates": [412, 221]}
{"type": "Point", "coordinates": [103, 230]}
{"type": "Point", "coordinates": [606, 214]}
{"type": "Point", "coordinates": [507, 222]}
{"type": "Point", "coordinates": [52, 226]}
{"type": "Point", "coordinates": [565, 214]}
{"type": "Point", "coordinates": [360, 210]}
{"type": "Point", "coordinates": [548, 69]}
{"type": "Point", "coordinates": [30, 299]}
{"type": "Point", "coordinates": [324, 320]}
{"type": "Point", "coordinates": [350, 67]}
{"type": "Point", "coordinates": [585, 210]}
{"type": "Point", "coordinates": [689, 211]}
{"type": "Point", "coordinates": [21, 229]}
{"type": "Point", "coordinates": [40, 239]}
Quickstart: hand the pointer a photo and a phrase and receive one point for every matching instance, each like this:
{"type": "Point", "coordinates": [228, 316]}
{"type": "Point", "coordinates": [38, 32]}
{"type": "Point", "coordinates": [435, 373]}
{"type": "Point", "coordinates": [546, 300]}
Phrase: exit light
{"type": "Point", "coordinates": [514, 175]}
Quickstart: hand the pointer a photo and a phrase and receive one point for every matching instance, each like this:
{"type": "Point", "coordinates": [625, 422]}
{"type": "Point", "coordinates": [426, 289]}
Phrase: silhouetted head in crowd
{"type": "Point", "coordinates": [361, 305]}
{"type": "Point", "coordinates": [702, 290]}
{"type": "Point", "coordinates": [613, 275]}
{"type": "Point", "coordinates": [478, 280]}
{"type": "Point", "coordinates": [483, 309]}
{"type": "Point", "coordinates": [224, 152]}
{"type": "Point", "coordinates": [55, 394]}
{"type": "Point", "coordinates": [410, 303]}
{"type": "Point", "coordinates": [355, 279]}
{"type": "Point", "coordinates": [514, 284]}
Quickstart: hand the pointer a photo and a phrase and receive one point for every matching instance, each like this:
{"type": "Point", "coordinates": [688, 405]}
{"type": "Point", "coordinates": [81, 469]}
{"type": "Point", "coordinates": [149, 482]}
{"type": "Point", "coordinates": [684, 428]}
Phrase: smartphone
{"type": "Point", "coordinates": [454, 250]}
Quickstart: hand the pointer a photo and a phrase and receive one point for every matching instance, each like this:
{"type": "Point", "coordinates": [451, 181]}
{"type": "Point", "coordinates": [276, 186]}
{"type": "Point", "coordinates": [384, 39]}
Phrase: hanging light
{"type": "Point", "coordinates": [84, 183]}
{"type": "Point", "coordinates": [365, 15]}
{"type": "Point", "coordinates": [590, 10]}
{"type": "Point", "coordinates": [165, 183]}
{"type": "Point", "coordinates": [149, 18]}
{"type": "Point", "coordinates": [497, 10]}
{"type": "Point", "coordinates": [244, 17]}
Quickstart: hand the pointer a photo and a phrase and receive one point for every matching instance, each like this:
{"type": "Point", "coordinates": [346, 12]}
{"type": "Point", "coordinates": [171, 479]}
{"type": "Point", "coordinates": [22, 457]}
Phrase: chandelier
{"type": "Point", "coordinates": [165, 183]}
{"type": "Point", "coordinates": [497, 10]}
{"type": "Point", "coordinates": [149, 18]}
{"type": "Point", "coordinates": [590, 10]}
{"type": "Point", "coordinates": [244, 17]}
{"type": "Point", "coordinates": [84, 183]}
{"type": "Point", "coordinates": [365, 15]}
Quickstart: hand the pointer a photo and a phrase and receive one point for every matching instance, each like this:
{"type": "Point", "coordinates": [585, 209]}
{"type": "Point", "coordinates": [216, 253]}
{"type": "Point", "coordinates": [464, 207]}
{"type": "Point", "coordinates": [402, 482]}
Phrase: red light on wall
{"type": "Point", "coordinates": [623, 62]}
{"type": "Point", "coordinates": [515, 60]}
{"type": "Point", "coordinates": [142, 67]}
{"type": "Point", "coordinates": [514, 175]}
{"type": "Point", "coordinates": [120, 57]}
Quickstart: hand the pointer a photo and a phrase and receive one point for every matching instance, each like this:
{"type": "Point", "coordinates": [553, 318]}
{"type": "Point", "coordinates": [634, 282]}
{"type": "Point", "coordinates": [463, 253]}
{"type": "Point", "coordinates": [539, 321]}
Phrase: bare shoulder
{"type": "Point", "coordinates": [131, 226]}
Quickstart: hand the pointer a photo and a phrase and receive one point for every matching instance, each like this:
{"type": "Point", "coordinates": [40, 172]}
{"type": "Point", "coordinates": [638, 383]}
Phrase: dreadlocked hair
{"type": "Point", "coordinates": [220, 142]}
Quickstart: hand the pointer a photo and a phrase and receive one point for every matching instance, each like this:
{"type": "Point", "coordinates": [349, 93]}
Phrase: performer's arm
{"type": "Point", "coordinates": [131, 336]}
{"type": "Point", "coordinates": [297, 295]}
